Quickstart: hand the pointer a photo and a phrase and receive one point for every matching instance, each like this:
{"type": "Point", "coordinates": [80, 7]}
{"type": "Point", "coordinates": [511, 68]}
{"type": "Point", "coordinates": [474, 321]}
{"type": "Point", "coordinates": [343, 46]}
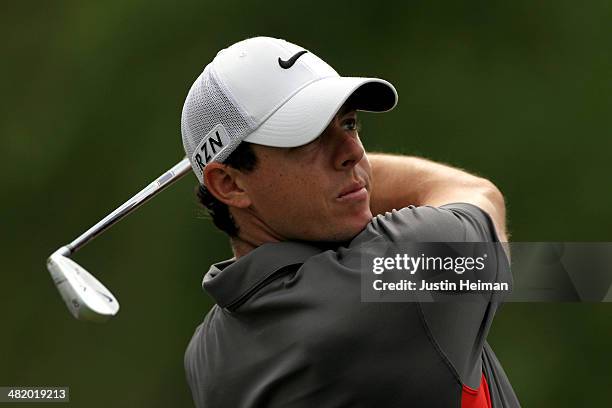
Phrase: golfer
{"type": "Point", "coordinates": [271, 131]}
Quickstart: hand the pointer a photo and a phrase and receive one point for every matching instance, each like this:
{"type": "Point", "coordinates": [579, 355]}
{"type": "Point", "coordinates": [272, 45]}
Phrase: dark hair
{"type": "Point", "coordinates": [244, 159]}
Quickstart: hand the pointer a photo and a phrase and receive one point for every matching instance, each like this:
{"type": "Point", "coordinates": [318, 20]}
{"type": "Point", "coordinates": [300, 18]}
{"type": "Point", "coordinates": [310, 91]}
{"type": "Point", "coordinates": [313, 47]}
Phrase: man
{"type": "Point", "coordinates": [271, 132]}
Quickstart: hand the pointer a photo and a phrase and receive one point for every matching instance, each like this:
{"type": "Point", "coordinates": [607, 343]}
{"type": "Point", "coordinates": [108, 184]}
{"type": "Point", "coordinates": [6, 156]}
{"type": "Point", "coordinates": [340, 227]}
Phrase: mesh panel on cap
{"type": "Point", "coordinates": [205, 107]}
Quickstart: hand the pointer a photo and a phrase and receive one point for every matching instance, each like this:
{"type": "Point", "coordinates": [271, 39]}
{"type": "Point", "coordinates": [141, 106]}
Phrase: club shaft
{"type": "Point", "coordinates": [150, 191]}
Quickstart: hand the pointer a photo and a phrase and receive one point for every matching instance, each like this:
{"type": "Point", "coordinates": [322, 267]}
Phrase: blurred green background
{"type": "Point", "coordinates": [517, 91]}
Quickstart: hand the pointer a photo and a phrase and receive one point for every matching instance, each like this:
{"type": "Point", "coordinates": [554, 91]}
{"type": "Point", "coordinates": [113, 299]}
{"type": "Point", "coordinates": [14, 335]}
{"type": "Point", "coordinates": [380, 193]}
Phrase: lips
{"type": "Point", "coordinates": [355, 190]}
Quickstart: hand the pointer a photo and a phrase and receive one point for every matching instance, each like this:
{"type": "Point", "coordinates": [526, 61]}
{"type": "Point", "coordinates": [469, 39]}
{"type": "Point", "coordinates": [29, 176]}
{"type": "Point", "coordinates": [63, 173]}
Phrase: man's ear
{"type": "Point", "coordinates": [222, 181]}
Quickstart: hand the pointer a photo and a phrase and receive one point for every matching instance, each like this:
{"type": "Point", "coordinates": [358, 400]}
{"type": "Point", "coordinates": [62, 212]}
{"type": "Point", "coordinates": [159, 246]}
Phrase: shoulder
{"type": "Point", "coordinates": [450, 222]}
{"type": "Point", "coordinates": [204, 361]}
{"type": "Point", "coordinates": [196, 349]}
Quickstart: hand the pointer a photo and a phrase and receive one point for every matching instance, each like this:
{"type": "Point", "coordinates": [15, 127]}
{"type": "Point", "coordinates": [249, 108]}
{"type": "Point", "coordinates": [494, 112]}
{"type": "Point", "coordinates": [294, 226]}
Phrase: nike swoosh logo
{"type": "Point", "coordinates": [289, 63]}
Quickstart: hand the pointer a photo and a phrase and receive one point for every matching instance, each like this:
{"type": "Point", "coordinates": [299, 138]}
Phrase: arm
{"type": "Point", "coordinates": [399, 181]}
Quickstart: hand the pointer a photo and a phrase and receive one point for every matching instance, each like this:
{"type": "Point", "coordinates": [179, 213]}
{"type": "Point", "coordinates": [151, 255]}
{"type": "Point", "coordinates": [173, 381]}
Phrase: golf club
{"type": "Point", "coordinates": [87, 298]}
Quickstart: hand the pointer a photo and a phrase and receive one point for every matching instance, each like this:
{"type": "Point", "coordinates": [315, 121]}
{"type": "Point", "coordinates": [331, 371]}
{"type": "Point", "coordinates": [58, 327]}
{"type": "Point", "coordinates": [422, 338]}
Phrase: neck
{"type": "Point", "coordinates": [252, 233]}
{"type": "Point", "coordinates": [240, 247]}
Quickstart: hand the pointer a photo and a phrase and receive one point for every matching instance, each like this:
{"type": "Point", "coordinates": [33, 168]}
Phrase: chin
{"type": "Point", "coordinates": [339, 228]}
{"type": "Point", "coordinates": [354, 226]}
{"type": "Point", "coordinates": [362, 219]}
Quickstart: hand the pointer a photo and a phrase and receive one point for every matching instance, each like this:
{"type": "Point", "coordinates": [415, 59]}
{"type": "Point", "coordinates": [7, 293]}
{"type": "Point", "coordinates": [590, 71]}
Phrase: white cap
{"type": "Point", "coordinates": [268, 91]}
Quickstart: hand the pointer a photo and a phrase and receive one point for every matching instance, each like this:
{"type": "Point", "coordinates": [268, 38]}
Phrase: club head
{"type": "Point", "coordinates": [86, 298]}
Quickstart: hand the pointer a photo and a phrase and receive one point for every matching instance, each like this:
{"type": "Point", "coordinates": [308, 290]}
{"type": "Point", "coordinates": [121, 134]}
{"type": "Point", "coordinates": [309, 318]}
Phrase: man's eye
{"type": "Point", "coordinates": [351, 124]}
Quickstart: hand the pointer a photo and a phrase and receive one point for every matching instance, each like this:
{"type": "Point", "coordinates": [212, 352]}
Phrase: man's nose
{"type": "Point", "coordinates": [349, 151]}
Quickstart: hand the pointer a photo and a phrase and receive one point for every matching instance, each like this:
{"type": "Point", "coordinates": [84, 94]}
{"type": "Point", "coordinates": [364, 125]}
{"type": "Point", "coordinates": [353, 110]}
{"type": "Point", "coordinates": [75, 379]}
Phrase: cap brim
{"type": "Point", "coordinates": [307, 113]}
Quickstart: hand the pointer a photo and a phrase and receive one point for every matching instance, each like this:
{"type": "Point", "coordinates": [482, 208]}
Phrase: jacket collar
{"type": "Point", "coordinates": [228, 281]}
